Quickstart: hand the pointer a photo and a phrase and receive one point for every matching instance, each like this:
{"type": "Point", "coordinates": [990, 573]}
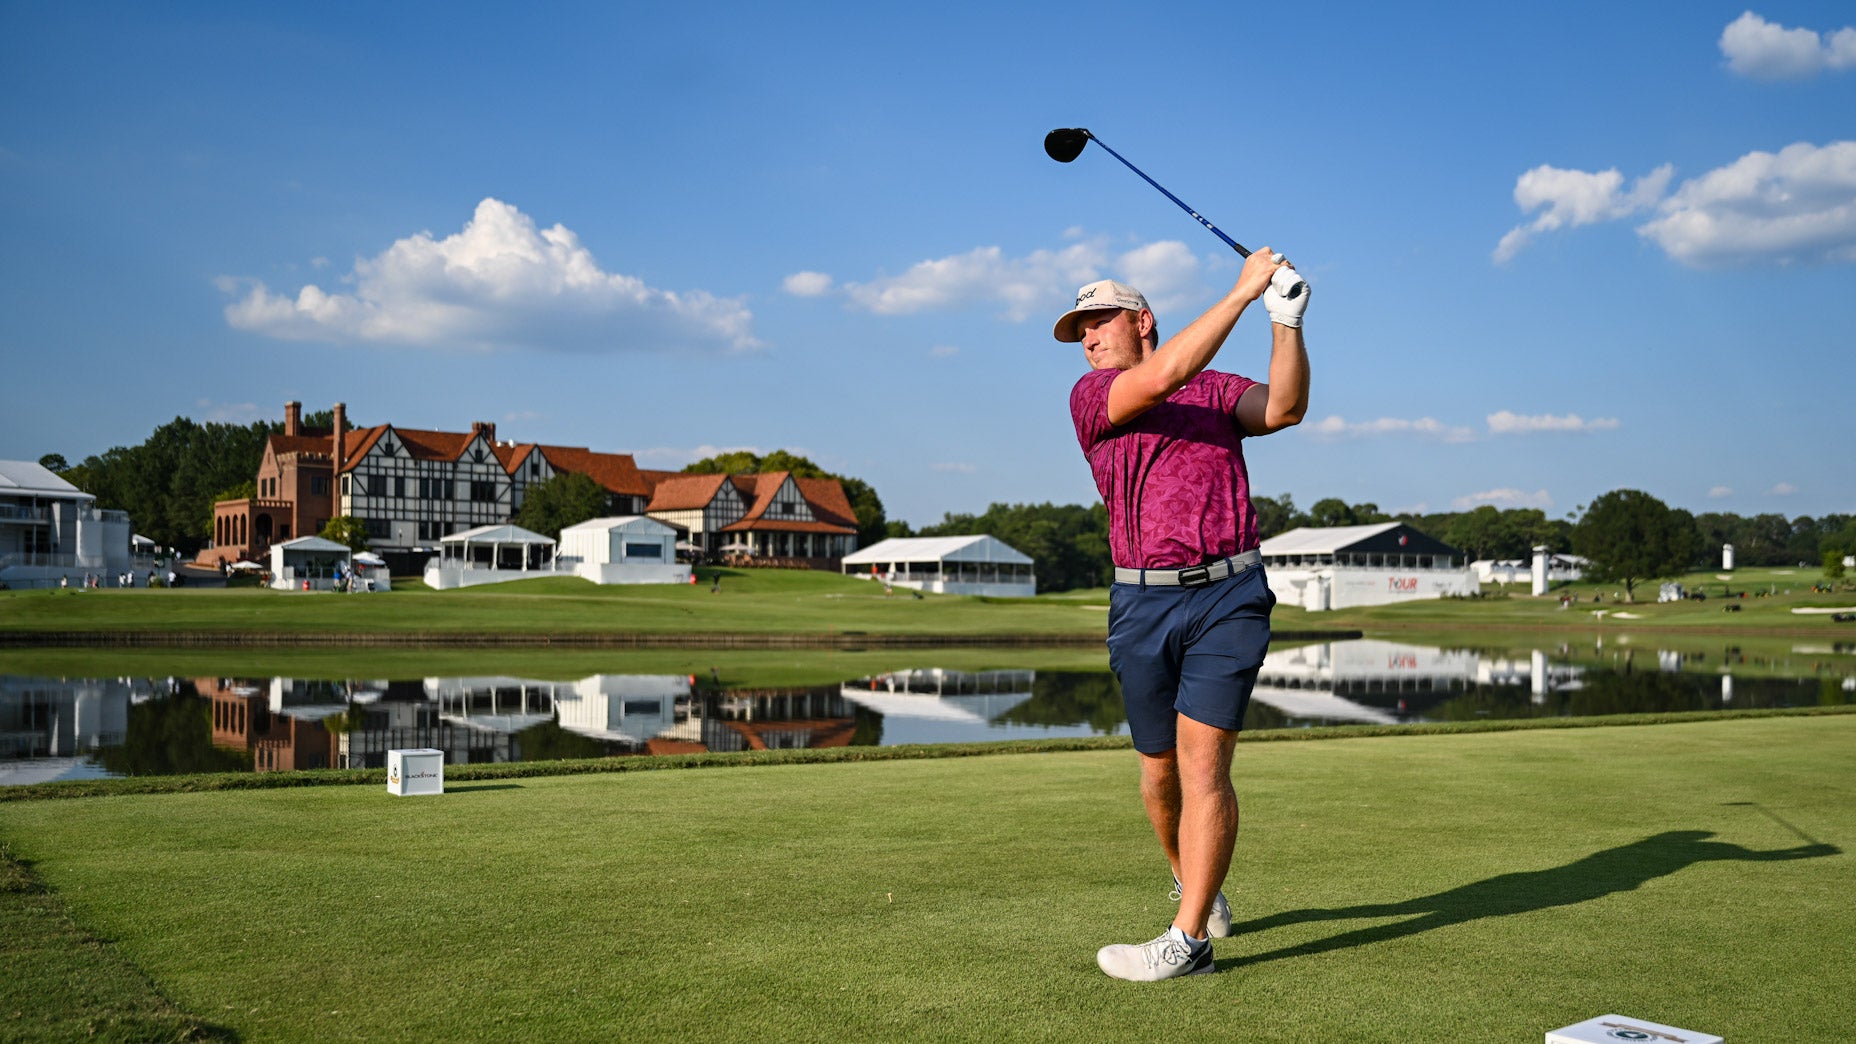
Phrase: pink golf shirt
{"type": "Point", "coordinates": [1174, 478]}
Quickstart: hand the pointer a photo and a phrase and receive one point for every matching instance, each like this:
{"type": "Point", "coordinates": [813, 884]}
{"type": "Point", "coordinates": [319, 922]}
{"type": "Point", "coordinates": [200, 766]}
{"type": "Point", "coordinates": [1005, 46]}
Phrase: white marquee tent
{"type": "Point", "coordinates": [968, 565]}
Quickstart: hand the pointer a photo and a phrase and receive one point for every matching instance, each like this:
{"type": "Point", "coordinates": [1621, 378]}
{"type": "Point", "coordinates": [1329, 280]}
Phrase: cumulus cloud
{"type": "Point", "coordinates": [957, 466]}
{"type": "Point", "coordinates": [1428, 427]}
{"type": "Point", "coordinates": [1508, 423]}
{"type": "Point", "coordinates": [1504, 498]}
{"type": "Point", "coordinates": [1798, 204]}
{"type": "Point", "coordinates": [1768, 51]}
{"type": "Point", "coordinates": [1166, 272]}
{"type": "Point", "coordinates": [1718, 492]}
{"type": "Point", "coordinates": [497, 284]}
{"type": "Point", "coordinates": [807, 284]}
{"type": "Point", "coordinates": [674, 458]}
{"type": "Point", "coordinates": [1576, 197]}
{"type": "Point", "coordinates": [1783, 489]}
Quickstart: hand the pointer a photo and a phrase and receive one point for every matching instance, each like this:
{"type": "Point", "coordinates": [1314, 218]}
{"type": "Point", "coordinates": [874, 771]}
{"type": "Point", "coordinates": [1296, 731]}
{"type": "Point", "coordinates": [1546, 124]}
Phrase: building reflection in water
{"type": "Point", "coordinates": [1385, 683]}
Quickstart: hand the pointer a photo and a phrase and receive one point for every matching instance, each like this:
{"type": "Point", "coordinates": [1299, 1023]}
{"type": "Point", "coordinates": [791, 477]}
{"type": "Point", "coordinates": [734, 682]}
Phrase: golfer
{"type": "Point", "coordinates": [1189, 614]}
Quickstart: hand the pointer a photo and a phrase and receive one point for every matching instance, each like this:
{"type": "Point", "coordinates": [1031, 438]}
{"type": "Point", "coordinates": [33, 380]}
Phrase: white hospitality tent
{"type": "Point", "coordinates": [967, 565]}
{"type": "Point", "coordinates": [307, 564]}
{"type": "Point", "coordinates": [489, 555]}
{"type": "Point", "coordinates": [623, 549]}
{"type": "Point", "coordinates": [1339, 567]}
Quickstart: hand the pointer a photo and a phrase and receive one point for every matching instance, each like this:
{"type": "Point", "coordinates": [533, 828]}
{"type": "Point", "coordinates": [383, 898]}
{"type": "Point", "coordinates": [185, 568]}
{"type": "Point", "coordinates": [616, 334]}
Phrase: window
{"type": "Point", "coordinates": [319, 485]}
{"type": "Point", "coordinates": [345, 485]}
{"type": "Point", "coordinates": [652, 550]}
{"type": "Point", "coordinates": [483, 491]}
{"type": "Point", "coordinates": [399, 487]}
{"type": "Point", "coordinates": [378, 528]}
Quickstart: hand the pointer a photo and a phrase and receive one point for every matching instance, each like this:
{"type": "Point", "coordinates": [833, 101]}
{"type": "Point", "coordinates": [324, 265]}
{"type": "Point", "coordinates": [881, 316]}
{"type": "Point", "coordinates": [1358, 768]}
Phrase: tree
{"type": "Point", "coordinates": [1331, 511]}
{"type": "Point", "coordinates": [1630, 536]}
{"type": "Point", "coordinates": [1477, 532]}
{"type": "Point", "coordinates": [567, 499]}
{"type": "Point", "coordinates": [345, 529]}
{"type": "Point", "coordinates": [1833, 565]}
{"type": "Point", "coordinates": [1276, 515]}
{"type": "Point", "coordinates": [54, 463]}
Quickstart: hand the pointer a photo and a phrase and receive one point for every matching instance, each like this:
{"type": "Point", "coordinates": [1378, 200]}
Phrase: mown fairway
{"type": "Point", "coordinates": [1495, 885]}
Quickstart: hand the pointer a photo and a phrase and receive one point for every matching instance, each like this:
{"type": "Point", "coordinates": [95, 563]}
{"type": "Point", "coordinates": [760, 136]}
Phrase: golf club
{"type": "Point", "coordinates": [1066, 143]}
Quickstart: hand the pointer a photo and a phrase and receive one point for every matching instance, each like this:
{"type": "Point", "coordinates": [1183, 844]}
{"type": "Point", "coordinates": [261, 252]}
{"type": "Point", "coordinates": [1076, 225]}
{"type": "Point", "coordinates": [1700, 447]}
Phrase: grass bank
{"type": "Point", "coordinates": [1387, 889]}
{"type": "Point", "coordinates": [767, 604]}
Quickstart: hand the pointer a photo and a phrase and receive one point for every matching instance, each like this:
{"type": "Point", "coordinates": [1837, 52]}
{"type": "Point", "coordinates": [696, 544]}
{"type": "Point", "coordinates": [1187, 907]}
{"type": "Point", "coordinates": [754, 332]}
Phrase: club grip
{"type": "Point", "coordinates": [1287, 283]}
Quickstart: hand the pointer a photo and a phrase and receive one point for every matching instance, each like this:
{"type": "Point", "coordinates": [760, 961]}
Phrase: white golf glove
{"type": "Point", "coordinates": [1285, 310]}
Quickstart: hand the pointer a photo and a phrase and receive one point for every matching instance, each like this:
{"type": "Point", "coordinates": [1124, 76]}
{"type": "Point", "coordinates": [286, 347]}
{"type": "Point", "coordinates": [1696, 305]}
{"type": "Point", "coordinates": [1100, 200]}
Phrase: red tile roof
{"type": "Point", "coordinates": [615, 471]}
{"type": "Point", "coordinates": [687, 492]}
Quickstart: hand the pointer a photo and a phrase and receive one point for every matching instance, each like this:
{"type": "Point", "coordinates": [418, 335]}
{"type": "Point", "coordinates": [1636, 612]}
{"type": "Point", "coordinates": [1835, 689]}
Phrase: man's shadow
{"type": "Point", "coordinates": [1619, 869]}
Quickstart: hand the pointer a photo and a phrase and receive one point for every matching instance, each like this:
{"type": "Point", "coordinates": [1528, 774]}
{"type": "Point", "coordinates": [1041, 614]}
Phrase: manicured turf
{"type": "Point", "coordinates": [1408, 888]}
{"type": "Point", "coordinates": [796, 602]}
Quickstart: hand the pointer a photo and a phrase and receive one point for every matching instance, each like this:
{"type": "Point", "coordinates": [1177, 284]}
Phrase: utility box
{"type": "Point", "coordinates": [1606, 1029]}
{"type": "Point", "coordinates": [420, 770]}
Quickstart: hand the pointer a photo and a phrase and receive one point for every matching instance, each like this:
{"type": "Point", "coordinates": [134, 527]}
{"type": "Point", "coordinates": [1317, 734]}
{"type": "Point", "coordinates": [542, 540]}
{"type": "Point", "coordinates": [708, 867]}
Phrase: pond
{"type": "Point", "coordinates": [148, 722]}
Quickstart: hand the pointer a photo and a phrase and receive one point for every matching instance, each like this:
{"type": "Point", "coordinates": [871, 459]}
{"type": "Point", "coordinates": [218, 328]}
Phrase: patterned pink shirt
{"type": "Point", "coordinates": [1173, 478]}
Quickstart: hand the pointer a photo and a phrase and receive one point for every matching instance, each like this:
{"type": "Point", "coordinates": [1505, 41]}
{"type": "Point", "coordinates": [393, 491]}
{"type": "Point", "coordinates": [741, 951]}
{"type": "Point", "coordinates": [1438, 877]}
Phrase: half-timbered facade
{"type": "Point", "coordinates": [772, 517]}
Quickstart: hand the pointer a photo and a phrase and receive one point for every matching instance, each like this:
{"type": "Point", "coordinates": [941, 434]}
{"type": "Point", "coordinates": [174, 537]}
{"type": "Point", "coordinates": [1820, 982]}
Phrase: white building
{"type": "Point", "coordinates": [50, 529]}
{"type": "Point", "coordinates": [1560, 569]}
{"type": "Point", "coordinates": [1342, 567]}
{"type": "Point", "coordinates": [965, 565]}
{"type": "Point", "coordinates": [623, 549]}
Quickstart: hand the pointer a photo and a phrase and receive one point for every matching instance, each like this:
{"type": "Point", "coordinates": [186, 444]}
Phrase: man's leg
{"type": "Point", "coordinates": [1160, 793]}
{"type": "Point", "coordinates": [1205, 825]}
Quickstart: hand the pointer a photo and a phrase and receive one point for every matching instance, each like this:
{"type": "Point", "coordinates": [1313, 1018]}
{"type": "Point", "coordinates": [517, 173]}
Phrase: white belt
{"type": "Point", "coordinates": [1191, 576]}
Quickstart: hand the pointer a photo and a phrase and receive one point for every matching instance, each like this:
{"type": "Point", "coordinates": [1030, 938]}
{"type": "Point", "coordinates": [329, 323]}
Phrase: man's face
{"type": "Point", "coordinates": [1112, 339]}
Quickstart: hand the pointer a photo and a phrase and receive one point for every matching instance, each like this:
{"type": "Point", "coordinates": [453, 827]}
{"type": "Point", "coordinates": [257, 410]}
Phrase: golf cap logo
{"type": "Point", "coordinates": [1101, 294]}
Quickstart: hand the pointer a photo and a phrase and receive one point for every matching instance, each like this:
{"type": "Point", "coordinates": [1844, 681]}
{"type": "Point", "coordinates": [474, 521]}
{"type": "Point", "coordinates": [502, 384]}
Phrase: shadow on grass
{"type": "Point", "coordinates": [465, 788]}
{"type": "Point", "coordinates": [1619, 869]}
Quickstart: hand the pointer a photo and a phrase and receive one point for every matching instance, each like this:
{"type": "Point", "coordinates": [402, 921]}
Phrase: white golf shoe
{"type": "Point", "coordinates": [1217, 919]}
{"type": "Point", "coordinates": [1167, 957]}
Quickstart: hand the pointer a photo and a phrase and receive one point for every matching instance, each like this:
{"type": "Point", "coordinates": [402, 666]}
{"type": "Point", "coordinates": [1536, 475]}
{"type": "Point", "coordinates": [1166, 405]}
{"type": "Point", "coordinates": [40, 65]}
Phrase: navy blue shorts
{"type": "Point", "coordinates": [1188, 650]}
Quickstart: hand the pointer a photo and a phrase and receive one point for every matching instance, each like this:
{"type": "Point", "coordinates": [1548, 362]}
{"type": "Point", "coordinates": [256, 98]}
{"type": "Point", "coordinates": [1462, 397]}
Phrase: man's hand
{"type": "Point", "coordinates": [1255, 278]}
{"type": "Point", "coordinates": [1285, 311]}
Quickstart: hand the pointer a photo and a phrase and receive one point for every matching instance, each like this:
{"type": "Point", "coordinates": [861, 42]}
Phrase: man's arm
{"type": "Point", "coordinates": [1282, 402]}
{"type": "Point", "coordinates": [1146, 385]}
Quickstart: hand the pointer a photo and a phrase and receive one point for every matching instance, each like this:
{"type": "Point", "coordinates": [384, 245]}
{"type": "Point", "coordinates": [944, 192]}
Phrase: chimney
{"type": "Point", "coordinates": [485, 428]}
{"type": "Point", "coordinates": [293, 418]}
{"type": "Point", "coordinates": [341, 426]}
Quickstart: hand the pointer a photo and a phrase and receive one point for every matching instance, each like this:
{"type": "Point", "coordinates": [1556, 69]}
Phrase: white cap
{"type": "Point", "coordinates": [1103, 293]}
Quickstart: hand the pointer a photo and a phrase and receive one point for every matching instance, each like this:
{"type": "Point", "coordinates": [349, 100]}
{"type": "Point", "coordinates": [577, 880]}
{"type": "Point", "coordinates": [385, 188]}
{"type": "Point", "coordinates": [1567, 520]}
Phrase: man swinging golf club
{"type": "Point", "coordinates": [1189, 614]}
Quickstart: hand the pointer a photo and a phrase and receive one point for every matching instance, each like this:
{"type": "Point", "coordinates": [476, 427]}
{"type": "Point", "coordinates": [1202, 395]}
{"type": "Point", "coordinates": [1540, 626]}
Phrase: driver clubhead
{"type": "Point", "coordinates": [1065, 143]}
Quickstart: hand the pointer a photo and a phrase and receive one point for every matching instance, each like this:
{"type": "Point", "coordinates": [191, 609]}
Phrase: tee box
{"type": "Point", "coordinates": [1608, 1029]}
{"type": "Point", "coordinates": [420, 770]}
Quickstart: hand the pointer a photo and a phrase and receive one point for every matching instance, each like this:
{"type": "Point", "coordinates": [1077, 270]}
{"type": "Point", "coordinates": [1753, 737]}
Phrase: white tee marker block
{"type": "Point", "coordinates": [1608, 1029]}
{"type": "Point", "coordinates": [420, 770]}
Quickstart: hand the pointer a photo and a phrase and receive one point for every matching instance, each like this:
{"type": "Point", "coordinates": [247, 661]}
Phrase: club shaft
{"type": "Point", "coordinates": [1200, 218]}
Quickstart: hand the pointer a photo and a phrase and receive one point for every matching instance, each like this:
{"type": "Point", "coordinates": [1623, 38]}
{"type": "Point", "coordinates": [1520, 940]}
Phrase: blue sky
{"type": "Point", "coordinates": [1553, 254]}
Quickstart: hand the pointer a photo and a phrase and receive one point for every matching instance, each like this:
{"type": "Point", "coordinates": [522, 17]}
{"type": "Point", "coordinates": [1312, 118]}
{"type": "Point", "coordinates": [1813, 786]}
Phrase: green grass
{"type": "Point", "coordinates": [790, 602]}
{"type": "Point", "coordinates": [1392, 888]}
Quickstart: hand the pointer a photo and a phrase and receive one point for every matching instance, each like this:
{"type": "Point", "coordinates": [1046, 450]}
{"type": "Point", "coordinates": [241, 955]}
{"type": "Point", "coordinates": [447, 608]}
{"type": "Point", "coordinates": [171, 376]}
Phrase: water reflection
{"type": "Point", "coordinates": [87, 727]}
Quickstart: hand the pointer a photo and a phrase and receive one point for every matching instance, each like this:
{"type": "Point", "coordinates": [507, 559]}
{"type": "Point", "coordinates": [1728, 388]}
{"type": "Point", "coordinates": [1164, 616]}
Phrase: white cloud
{"type": "Point", "coordinates": [498, 284]}
{"type": "Point", "coordinates": [943, 351]}
{"type": "Point", "coordinates": [1577, 197]}
{"type": "Point", "coordinates": [1504, 498]}
{"type": "Point", "coordinates": [1428, 427]}
{"type": "Point", "coordinates": [1718, 492]}
{"type": "Point", "coordinates": [807, 284]}
{"type": "Point", "coordinates": [1798, 204]}
{"type": "Point", "coordinates": [1769, 51]}
{"type": "Point", "coordinates": [1783, 489]}
{"type": "Point", "coordinates": [1166, 272]}
{"type": "Point", "coordinates": [1508, 423]}
{"type": "Point", "coordinates": [674, 458]}
{"type": "Point", "coordinates": [960, 466]}
{"type": "Point", "coordinates": [228, 412]}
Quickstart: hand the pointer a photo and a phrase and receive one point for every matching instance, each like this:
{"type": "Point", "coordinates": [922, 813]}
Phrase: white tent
{"type": "Point", "coordinates": [970, 565]}
{"type": "Point", "coordinates": [1338, 567]}
{"type": "Point", "coordinates": [308, 564]}
{"type": "Point", "coordinates": [623, 549]}
{"type": "Point", "coordinates": [489, 555]}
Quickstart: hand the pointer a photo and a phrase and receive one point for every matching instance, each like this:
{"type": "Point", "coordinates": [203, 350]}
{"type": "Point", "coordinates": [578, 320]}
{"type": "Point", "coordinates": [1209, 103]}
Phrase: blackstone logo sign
{"type": "Point", "coordinates": [1625, 1031]}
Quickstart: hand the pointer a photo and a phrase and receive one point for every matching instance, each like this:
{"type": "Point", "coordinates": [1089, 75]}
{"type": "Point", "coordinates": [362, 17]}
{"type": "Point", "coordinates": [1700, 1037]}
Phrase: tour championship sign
{"type": "Point", "coordinates": [1608, 1029]}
